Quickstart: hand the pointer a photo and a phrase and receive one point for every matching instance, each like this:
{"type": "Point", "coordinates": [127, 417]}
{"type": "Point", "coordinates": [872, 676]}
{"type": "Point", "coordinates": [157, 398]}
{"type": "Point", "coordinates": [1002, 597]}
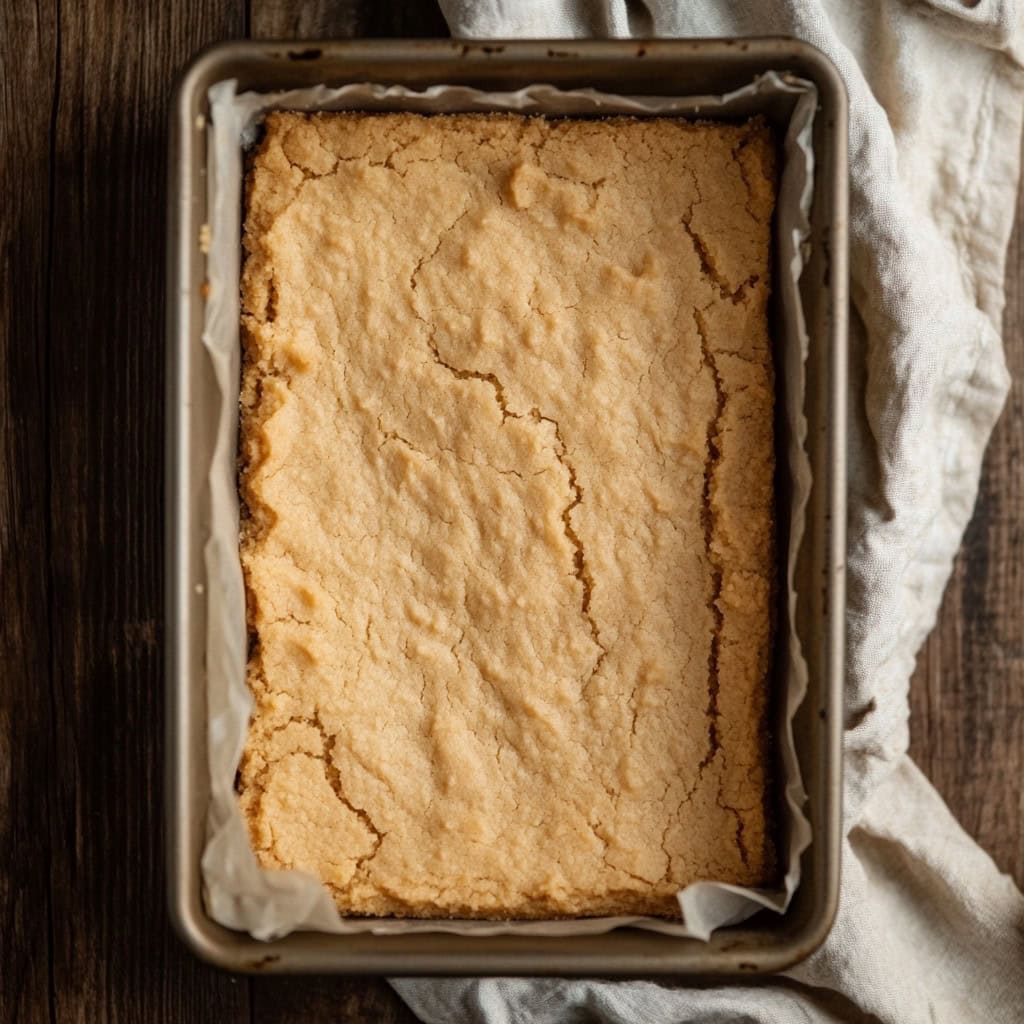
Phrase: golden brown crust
{"type": "Point", "coordinates": [507, 461]}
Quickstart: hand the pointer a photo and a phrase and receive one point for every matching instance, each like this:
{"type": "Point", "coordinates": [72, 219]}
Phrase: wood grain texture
{"type": "Point", "coordinates": [83, 157]}
{"type": "Point", "coordinates": [83, 931]}
{"type": "Point", "coordinates": [305, 1000]}
{"type": "Point", "coordinates": [113, 957]}
{"type": "Point", "coordinates": [26, 700]}
{"type": "Point", "coordinates": [345, 19]}
{"type": "Point", "coordinates": [967, 695]}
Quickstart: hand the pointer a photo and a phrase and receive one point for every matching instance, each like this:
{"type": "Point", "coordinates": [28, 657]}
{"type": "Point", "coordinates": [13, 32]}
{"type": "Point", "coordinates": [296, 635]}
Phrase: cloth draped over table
{"type": "Point", "coordinates": [928, 929]}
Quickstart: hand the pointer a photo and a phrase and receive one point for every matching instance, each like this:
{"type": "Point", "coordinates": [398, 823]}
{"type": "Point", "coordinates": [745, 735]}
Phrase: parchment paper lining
{"type": "Point", "coordinates": [268, 904]}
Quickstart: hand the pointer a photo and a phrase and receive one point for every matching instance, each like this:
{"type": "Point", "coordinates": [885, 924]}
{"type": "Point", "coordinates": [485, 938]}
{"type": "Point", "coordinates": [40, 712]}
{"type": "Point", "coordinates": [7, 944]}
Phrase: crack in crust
{"type": "Point", "coordinates": [334, 778]}
{"type": "Point", "coordinates": [710, 267]}
{"type": "Point", "coordinates": [708, 517]}
{"type": "Point", "coordinates": [258, 782]}
{"type": "Point", "coordinates": [580, 569]}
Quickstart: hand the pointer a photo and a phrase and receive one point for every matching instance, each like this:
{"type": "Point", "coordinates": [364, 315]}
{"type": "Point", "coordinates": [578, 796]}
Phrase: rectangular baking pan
{"type": "Point", "coordinates": [768, 942]}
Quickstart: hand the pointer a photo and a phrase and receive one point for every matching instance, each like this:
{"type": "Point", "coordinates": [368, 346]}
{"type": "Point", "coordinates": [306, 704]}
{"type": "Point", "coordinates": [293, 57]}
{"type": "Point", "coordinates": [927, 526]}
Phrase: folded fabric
{"type": "Point", "coordinates": [928, 930]}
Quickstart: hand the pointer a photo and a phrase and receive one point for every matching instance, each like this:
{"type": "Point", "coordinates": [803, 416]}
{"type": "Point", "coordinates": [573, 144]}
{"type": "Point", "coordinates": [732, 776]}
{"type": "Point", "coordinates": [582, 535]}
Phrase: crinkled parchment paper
{"type": "Point", "coordinates": [268, 904]}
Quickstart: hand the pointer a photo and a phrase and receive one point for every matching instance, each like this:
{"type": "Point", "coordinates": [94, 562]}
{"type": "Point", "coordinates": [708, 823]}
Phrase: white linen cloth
{"type": "Point", "coordinates": [928, 930]}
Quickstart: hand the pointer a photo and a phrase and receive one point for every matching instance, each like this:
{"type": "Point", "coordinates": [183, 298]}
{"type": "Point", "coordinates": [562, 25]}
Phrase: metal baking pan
{"type": "Point", "coordinates": [766, 943]}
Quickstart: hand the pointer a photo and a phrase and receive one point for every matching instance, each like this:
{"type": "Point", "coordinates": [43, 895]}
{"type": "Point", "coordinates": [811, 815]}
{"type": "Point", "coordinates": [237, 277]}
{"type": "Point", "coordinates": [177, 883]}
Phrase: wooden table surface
{"type": "Point", "coordinates": [83, 930]}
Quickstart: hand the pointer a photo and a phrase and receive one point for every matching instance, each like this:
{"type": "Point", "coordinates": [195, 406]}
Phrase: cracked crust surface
{"type": "Point", "coordinates": [507, 462]}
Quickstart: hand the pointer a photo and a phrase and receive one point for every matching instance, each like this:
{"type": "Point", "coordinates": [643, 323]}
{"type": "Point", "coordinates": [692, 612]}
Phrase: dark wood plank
{"type": "Point", "coordinates": [341, 1000]}
{"type": "Point", "coordinates": [967, 696]}
{"type": "Point", "coordinates": [27, 95]}
{"type": "Point", "coordinates": [345, 19]}
{"type": "Point", "coordinates": [114, 956]}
